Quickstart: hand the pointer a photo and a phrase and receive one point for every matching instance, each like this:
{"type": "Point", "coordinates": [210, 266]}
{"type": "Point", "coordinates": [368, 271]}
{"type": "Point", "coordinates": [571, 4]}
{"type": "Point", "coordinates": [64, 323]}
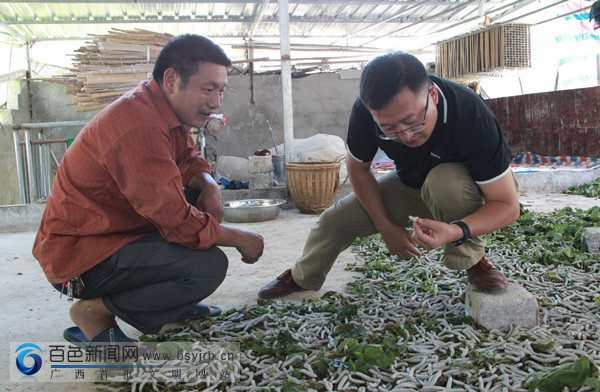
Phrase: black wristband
{"type": "Point", "coordinates": [466, 232]}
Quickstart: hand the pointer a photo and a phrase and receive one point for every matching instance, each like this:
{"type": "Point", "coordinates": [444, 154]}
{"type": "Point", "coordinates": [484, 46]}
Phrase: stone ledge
{"type": "Point", "coordinates": [514, 306]}
{"type": "Point", "coordinates": [21, 217]}
{"type": "Point", "coordinates": [555, 180]}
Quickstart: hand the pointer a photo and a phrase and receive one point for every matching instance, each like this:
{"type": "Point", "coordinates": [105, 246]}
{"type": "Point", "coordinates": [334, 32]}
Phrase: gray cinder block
{"type": "Point", "coordinates": [513, 306]}
{"type": "Point", "coordinates": [591, 239]}
{"type": "Point", "coordinates": [260, 164]}
{"type": "Point", "coordinates": [261, 181]}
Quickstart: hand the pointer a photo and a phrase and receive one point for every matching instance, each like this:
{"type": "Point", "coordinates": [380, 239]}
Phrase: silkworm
{"type": "Point", "coordinates": [419, 297]}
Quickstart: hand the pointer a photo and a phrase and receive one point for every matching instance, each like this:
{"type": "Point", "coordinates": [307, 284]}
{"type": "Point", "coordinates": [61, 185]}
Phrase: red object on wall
{"type": "Point", "coordinates": [553, 123]}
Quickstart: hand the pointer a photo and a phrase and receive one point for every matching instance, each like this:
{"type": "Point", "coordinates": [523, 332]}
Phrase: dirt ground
{"type": "Point", "coordinates": [32, 310]}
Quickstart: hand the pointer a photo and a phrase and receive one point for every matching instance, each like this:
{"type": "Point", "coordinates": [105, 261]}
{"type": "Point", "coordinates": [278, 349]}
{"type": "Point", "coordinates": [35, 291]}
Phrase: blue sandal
{"type": "Point", "coordinates": [112, 335]}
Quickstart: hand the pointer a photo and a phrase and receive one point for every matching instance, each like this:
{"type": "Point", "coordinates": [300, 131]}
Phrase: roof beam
{"type": "Point", "coordinates": [437, 3]}
{"type": "Point", "coordinates": [222, 39]}
{"type": "Point", "coordinates": [534, 11]}
{"type": "Point", "coordinates": [228, 19]}
{"type": "Point", "coordinates": [12, 32]}
{"type": "Point", "coordinates": [257, 19]}
{"type": "Point", "coordinates": [488, 12]}
{"type": "Point", "coordinates": [584, 9]}
{"type": "Point", "coordinates": [514, 9]}
{"type": "Point", "coordinates": [430, 19]}
{"type": "Point", "coordinates": [398, 15]}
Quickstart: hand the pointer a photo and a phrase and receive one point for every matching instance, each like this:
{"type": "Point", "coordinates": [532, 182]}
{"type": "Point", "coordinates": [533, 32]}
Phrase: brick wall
{"type": "Point", "coordinates": [553, 123]}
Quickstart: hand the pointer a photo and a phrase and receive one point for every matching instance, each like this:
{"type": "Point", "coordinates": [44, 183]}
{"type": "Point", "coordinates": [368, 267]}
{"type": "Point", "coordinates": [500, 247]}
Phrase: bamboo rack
{"type": "Point", "coordinates": [485, 51]}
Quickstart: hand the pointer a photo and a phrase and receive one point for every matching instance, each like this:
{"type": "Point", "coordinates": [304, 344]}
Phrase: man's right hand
{"type": "Point", "coordinates": [248, 243]}
{"type": "Point", "coordinates": [251, 247]}
{"type": "Point", "coordinates": [399, 241]}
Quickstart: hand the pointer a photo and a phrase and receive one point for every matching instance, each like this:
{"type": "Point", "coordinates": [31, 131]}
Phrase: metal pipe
{"type": "Point", "coordinates": [54, 158]}
{"type": "Point", "coordinates": [50, 124]}
{"type": "Point", "coordinates": [40, 169]}
{"type": "Point", "coordinates": [44, 167]}
{"type": "Point", "coordinates": [30, 173]}
{"type": "Point", "coordinates": [49, 173]}
{"type": "Point", "coordinates": [251, 69]}
{"type": "Point", "coordinates": [28, 80]}
{"type": "Point", "coordinates": [286, 80]}
{"type": "Point", "coordinates": [20, 175]}
{"type": "Point", "coordinates": [47, 142]}
{"type": "Point", "coordinates": [39, 173]}
{"type": "Point", "coordinates": [9, 67]}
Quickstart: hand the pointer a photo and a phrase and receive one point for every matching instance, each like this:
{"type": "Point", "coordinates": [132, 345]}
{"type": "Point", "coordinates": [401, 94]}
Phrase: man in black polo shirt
{"type": "Point", "coordinates": [452, 171]}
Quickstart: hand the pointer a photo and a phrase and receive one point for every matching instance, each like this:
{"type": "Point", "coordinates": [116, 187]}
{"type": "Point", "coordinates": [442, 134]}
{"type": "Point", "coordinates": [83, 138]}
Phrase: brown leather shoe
{"type": "Point", "coordinates": [280, 287]}
{"type": "Point", "coordinates": [487, 277]}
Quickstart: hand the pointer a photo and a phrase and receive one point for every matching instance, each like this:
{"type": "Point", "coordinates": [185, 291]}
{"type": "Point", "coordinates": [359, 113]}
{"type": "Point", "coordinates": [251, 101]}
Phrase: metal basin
{"type": "Point", "coordinates": [252, 210]}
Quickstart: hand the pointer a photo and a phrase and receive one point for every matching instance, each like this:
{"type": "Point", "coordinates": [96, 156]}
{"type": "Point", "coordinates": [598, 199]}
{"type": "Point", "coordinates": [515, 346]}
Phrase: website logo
{"type": "Point", "coordinates": [26, 351]}
{"type": "Point", "coordinates": [170, 362]}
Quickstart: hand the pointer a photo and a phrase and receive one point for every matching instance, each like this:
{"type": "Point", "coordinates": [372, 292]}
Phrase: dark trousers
{"type": "Point", "coordinates": [150, 282]}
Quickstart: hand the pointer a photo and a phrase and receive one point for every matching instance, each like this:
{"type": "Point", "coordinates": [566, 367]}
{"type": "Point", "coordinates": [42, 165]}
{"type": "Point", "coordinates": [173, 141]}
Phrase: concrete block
{"type": "Point", "coordinates": [513, 306]}
{"type": "Point", "coordinates": [261, 181]}
{"type": "Point", "coordinates": [260, 164]}
{"type": "Point", "coordinates": [591, 239]}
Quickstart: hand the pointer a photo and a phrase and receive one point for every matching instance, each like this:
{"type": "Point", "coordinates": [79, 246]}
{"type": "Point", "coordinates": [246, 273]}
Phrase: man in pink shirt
{"type": "Point", "coordinates": [133, 221]}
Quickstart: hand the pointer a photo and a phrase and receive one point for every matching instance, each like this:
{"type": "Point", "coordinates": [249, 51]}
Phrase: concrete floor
{"type": "Point", "coordinates": [33, 312]}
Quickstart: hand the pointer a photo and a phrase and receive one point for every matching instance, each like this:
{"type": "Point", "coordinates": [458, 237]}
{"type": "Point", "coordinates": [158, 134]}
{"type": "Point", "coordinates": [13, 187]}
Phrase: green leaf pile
{"type": "Point", "coordinates": [550, 238]}
{"type": "Point", "coordinates": [589, 190]}
{"type": "Point", "coordinates": [582, 372]}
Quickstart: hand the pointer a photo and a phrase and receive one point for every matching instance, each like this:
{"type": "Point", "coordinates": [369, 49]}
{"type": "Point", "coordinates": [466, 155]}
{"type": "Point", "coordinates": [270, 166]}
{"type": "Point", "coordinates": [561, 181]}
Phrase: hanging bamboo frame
{"type": "Point", "coordinates": [495, 48]}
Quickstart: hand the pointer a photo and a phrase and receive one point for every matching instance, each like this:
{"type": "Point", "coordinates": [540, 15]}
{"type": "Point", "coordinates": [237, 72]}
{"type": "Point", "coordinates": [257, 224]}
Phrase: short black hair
{"type": "Point", "coordinates": [184, 53]}
{"type": "Point", "coordinates": [595, 13]}
{"type": "Point", "coordinates": [386, 75]}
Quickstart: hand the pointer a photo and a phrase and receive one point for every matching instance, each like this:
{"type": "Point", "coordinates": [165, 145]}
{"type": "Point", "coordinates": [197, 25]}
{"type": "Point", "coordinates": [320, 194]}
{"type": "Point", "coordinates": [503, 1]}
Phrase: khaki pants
{"type": "Point", "coordinates": [449, 193]}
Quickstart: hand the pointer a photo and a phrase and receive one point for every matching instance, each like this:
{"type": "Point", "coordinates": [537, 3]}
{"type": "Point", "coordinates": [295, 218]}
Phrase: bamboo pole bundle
{"type": "Point", "coordinates": [110, 65]}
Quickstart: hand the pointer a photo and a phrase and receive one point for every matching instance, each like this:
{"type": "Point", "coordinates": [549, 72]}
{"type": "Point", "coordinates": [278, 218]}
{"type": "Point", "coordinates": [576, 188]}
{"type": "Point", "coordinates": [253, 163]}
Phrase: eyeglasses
{"type": "Point", "coordinates": [408, 131]}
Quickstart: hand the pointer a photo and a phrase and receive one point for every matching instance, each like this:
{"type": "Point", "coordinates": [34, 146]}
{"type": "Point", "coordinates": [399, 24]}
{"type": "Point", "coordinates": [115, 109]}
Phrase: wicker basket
{"type": "Point", "coordinates": [313, 185]}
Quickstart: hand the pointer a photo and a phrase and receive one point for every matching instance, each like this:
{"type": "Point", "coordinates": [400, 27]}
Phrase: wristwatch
{"type": "Point", "coordinates": [466, 232]}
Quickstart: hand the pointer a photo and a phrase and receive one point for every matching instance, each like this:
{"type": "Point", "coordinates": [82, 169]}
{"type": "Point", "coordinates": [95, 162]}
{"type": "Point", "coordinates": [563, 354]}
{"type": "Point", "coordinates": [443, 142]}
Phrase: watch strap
{"type": "Point", "coordinates": [466, 232]}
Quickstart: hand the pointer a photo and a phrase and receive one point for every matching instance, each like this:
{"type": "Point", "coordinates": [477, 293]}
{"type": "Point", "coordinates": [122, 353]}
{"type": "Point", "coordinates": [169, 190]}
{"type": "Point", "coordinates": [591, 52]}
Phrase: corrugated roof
{"type": "Point", "coordinates": [412, 25]}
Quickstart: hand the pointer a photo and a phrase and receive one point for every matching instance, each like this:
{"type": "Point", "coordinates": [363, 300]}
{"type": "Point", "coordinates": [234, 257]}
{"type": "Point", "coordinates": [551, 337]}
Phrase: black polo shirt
{"type": "Point", "coordinates": [466, 131]}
